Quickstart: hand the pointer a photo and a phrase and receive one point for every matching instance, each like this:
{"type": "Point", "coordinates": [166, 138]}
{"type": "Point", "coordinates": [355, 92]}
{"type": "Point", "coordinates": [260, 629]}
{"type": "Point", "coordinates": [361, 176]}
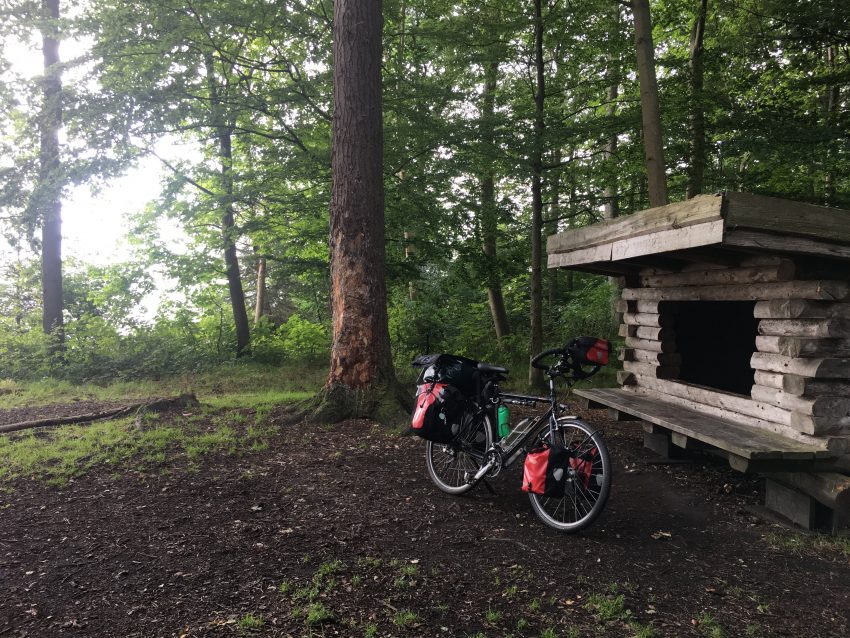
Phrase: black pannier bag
{"type": "Point", "coordinates": [589, 350]}
{"type": "Point", "coordinates": [438, 412]}
{"type": "Point", "coordinates": [460, 372]}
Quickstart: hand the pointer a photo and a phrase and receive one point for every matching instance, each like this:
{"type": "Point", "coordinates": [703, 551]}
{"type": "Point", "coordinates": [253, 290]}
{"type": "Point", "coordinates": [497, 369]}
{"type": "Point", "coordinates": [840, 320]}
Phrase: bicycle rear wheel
{"type": "Point", "coordinates": [589, 483]}
{"type": "Point", "coordinates": [452, 466]}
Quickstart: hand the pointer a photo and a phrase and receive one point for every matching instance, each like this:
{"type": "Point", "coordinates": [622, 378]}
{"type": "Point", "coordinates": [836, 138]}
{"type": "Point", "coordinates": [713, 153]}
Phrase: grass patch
{"type": "Point", "coordinates": [405, 618]}
{"type": "Point", "coordinates": [608, 608]}
{"type": "Point", "coordinates": [808, 543]}
{"type": "Point", "coordinates": [250, 621]}
{"type": "Point", "coordinates": [317, 614]}
{"type": "Point", "coordinates": [709, 627]}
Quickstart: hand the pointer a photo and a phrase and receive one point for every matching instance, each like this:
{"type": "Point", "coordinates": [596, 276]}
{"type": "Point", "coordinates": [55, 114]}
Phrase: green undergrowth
{"type": "Point", "coordinates": [229, 385]}
{"type": "Point", "coordinates": [800, 543]}
{"type": "Point", "coordinates": [59, 455]}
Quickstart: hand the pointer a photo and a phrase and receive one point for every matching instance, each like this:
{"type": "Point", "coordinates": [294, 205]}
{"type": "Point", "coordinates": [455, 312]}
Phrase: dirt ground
{"type": "Point", "coordinates": [338, 532]}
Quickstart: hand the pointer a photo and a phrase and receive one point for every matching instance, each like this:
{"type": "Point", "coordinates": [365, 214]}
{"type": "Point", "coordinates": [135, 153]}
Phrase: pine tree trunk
{"type": "Point", "coordinates": [650, 110]}
{"type": "Point", "coordinates": [361, 381]}
{"type": "Point", "coordinates": [696, 119]}
{"type": "Point", "coordinates": [48, 192]}
{"type": "Point", "coordinates": [489, 221]}
{"type": "Point", "coordinates": [535, 376]}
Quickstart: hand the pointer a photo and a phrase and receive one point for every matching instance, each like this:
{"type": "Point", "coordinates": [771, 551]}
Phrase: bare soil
{"type": "Point", "coordinates": [338, 532]}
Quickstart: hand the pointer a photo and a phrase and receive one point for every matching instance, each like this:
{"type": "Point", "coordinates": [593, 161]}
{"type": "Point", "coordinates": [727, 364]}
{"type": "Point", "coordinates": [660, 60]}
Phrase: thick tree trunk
{"type": "Point", "coordinates": [489, 220]}
{"type": "Point", "coordinates": [361, 381]}
{"type": "Point", "coordinates": [651, 113]}
{"type": "Point", "coordinates": [224, 134]}
{"type": "Point", "coordinates": [260, 305]}
{"type": "Point", "coordinates": [696, 119]}
{"type": "Point", "coordinates": [48, 192]}
{"type": "Point", "coordinates": [535, 376]}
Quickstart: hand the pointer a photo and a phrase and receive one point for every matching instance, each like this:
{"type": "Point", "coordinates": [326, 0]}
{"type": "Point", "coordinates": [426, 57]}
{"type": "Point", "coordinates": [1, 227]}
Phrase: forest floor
{"type": "Point", "coordinates": [223, 521]}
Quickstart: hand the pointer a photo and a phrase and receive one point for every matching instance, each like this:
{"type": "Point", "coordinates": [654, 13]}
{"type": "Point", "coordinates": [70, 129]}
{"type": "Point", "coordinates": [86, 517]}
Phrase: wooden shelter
{"type": "Point", "coordinates": [736, 319]}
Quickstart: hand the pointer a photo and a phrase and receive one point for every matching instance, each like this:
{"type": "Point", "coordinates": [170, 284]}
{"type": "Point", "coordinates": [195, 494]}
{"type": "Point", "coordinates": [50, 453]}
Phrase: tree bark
{"type": "Point", "coordinates": [650, 111]}
{"type": "Point", "coordinates": [224, 135]}
{"type": "Point", "coordinates": [48, 192]}
{"type": "Point", "coordinates": [535, 376]}
{"type": "Point", "coordinates": [260, 305]}
{"type": "Point", "coordinates": [489, 221]}
{"type": "Point", "coordinates": [361, 382]}
{"type": "Point", "coordinates": [552, 227]}
{"type": "Point", "coordinates": [833, 101]}
{"type": "Point", "coordinates": [696, 119]}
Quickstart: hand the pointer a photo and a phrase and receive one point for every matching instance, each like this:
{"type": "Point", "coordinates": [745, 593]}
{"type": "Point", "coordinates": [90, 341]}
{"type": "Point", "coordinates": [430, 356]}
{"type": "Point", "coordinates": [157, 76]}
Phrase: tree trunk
{"type": "Point", "coordinates": [651, 114]}
{"type": "Point", "coordinates": [552, 227]}
{"type": "Point", "coordinates": [833, 100]}
{"type": "Point", "coordinates": [260, 305]}
{"type": "Point", "coordinates": [48, 192]}
{"type": "Point", "coordinates": [224, 134]}
{"type": "Point", "coordinates": [489, 221]}
{"type": "Point", "coordinates": [696, 119]}
{"type": "Point", "coordinates": [535, 376]}
{"type": "Point", "coordinates": [612, 202]}
{"type": "Point", "coordinates": [361, 382]}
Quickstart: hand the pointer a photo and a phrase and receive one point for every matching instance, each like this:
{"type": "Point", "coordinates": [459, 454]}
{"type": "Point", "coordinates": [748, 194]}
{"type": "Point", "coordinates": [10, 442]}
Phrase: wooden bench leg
{"type": "Point", "coordinates": [797, 507]}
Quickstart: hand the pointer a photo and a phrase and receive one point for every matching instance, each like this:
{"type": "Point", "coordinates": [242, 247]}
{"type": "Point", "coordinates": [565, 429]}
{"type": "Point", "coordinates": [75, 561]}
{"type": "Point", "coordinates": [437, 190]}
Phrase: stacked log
{"type": "Point", "coordinates": [803, 363]}
{"type": "Point", "coordinates": [802, 357]}
{"type": "Point", "coordinates": [650, 341]}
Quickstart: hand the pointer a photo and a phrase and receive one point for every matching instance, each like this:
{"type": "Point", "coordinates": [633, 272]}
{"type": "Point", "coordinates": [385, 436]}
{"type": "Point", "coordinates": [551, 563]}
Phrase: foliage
{"type": "Point", "coordinates": [776, 78]}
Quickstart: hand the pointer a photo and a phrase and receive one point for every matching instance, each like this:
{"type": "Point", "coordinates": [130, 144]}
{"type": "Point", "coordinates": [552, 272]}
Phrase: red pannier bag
{"type": "Point", "coordinates": [545, 471]}
{"type": "Point", "coordinates": [437, 408]}
{"type": "Point", "coordinates": [590, 350]}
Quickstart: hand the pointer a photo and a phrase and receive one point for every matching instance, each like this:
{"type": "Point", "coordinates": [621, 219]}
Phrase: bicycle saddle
{"type": "Point", "coordinates": [486, 367]}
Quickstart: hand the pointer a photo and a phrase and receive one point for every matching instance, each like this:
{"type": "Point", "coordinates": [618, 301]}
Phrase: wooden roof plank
{"type": "Point", "coordinates": [745, 210]}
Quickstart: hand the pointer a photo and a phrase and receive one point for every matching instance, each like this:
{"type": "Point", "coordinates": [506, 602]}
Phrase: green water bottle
{"type": "Point", "coordinates": [504, 421]}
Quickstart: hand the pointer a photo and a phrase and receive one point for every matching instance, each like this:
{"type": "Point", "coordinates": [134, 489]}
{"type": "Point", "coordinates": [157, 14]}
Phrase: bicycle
{"type": "Point", "coordinates": [476, 451]}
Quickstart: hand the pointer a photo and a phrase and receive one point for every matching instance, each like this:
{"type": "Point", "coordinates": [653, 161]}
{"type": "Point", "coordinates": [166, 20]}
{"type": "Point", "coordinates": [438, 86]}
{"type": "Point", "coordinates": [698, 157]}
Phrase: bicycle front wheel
{"type": "Point", "coordinates": [452, 466]}
{"type": "Point", "coordinates": [589, 479]}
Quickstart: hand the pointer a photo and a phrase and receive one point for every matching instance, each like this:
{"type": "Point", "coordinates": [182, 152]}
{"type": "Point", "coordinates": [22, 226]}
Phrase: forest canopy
{"type": "Point", "coordinates": [503, 123]}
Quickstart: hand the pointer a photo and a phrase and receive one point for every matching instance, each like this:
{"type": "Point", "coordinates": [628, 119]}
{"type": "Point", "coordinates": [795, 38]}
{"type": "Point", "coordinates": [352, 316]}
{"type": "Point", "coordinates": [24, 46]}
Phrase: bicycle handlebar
{"type": "Point", "coordinates": [535, 360]}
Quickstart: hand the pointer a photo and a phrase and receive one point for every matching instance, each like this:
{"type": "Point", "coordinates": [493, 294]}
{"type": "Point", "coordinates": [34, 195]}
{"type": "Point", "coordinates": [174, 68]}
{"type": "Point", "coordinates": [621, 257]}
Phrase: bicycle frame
{"type": "Point", "coordinates": [504, 452]}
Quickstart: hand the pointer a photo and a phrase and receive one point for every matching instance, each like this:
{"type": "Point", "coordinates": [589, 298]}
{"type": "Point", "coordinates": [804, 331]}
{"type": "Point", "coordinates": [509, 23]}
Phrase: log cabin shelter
{"type": "Point", "coordinates": [736, 322]}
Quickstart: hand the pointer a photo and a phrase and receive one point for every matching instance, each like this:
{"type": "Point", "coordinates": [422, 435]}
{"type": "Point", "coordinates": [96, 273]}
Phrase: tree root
{"type": "Point", "coordinates": [157, 405]}
{"type": "Point", "coordinates": [386, 403]}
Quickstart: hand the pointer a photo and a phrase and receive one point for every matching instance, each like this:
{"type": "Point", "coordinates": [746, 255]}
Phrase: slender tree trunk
{"type": "Point", "coordinates": [552, 226]}
{"type": "Point", "coordinates": [361, 381]}
{"type": "Point", "coordinates": [832, 107]}
{"type": "Point", "coordinates": [651, 113]}
{"type": "Point", "coordinates": [696, 119]}
{"type": "Point", "coordinates": [489, 221]}
{"type": "Point", "coordinates": [224, 135]}
{"type": "Point", "coordinates": [410, 255]}
{"type": "Point", "coordinates": [48, 192]}
{"type": "Point", "coordinates": [610, 192]}
{"type": "Point", "coordinates": [535, 376]}
{"type": "Point", "coordinates": [260, 305]}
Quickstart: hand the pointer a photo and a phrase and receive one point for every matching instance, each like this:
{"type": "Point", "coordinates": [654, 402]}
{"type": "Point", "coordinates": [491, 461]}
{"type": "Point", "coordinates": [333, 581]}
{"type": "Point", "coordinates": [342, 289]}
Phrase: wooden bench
{"type": "Point", "coordinates": [747, 449]}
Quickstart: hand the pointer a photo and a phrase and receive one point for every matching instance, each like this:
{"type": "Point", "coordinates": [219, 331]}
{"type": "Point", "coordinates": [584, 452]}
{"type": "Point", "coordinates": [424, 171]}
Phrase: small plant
{"type": "Point", "coordinates": [641, 631]}
{"type": "Point", "coordinates": [250, 621]}
{"type": "Point", "coordinates": [316, 614]}
{"type": "Point", "coordinates": [521, 624]}
{"type": "Point", "coordinates": [371, 631]}
{"type": "Point", "coordinates": [608, 609]}
{"type": "Point", "coordinates": [405, 618]}
{"type": "Point", "coordinates": [709, 626]}
{"type": "Point", "coordinates": [548, 633]}
{"type": "Point", "coordinates": [285, 587]}
{"type": "Point", "coordinates": [493, 616]}
{"type": "Point", "coordinates": [510, 591]}
{"type": "Point", "coordinates": [356, 580]}
{"type": "Point", "coordinates": [752, 630]}
{"type": "Point", "coordinates": [534, 605]}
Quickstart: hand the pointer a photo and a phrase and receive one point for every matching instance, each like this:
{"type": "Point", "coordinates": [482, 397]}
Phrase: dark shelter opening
{"type": "Point", "coordinates": [716, 340]}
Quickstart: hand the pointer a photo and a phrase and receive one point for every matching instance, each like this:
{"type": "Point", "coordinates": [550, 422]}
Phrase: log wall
{"type": "Point", "coordinates": [802, 360]}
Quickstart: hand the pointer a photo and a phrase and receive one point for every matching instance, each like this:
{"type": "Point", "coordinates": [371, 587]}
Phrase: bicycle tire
{"type": "Point", "coordinates": [450, 466]}
{"type": "Point", "coordinates": [581, 504]}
